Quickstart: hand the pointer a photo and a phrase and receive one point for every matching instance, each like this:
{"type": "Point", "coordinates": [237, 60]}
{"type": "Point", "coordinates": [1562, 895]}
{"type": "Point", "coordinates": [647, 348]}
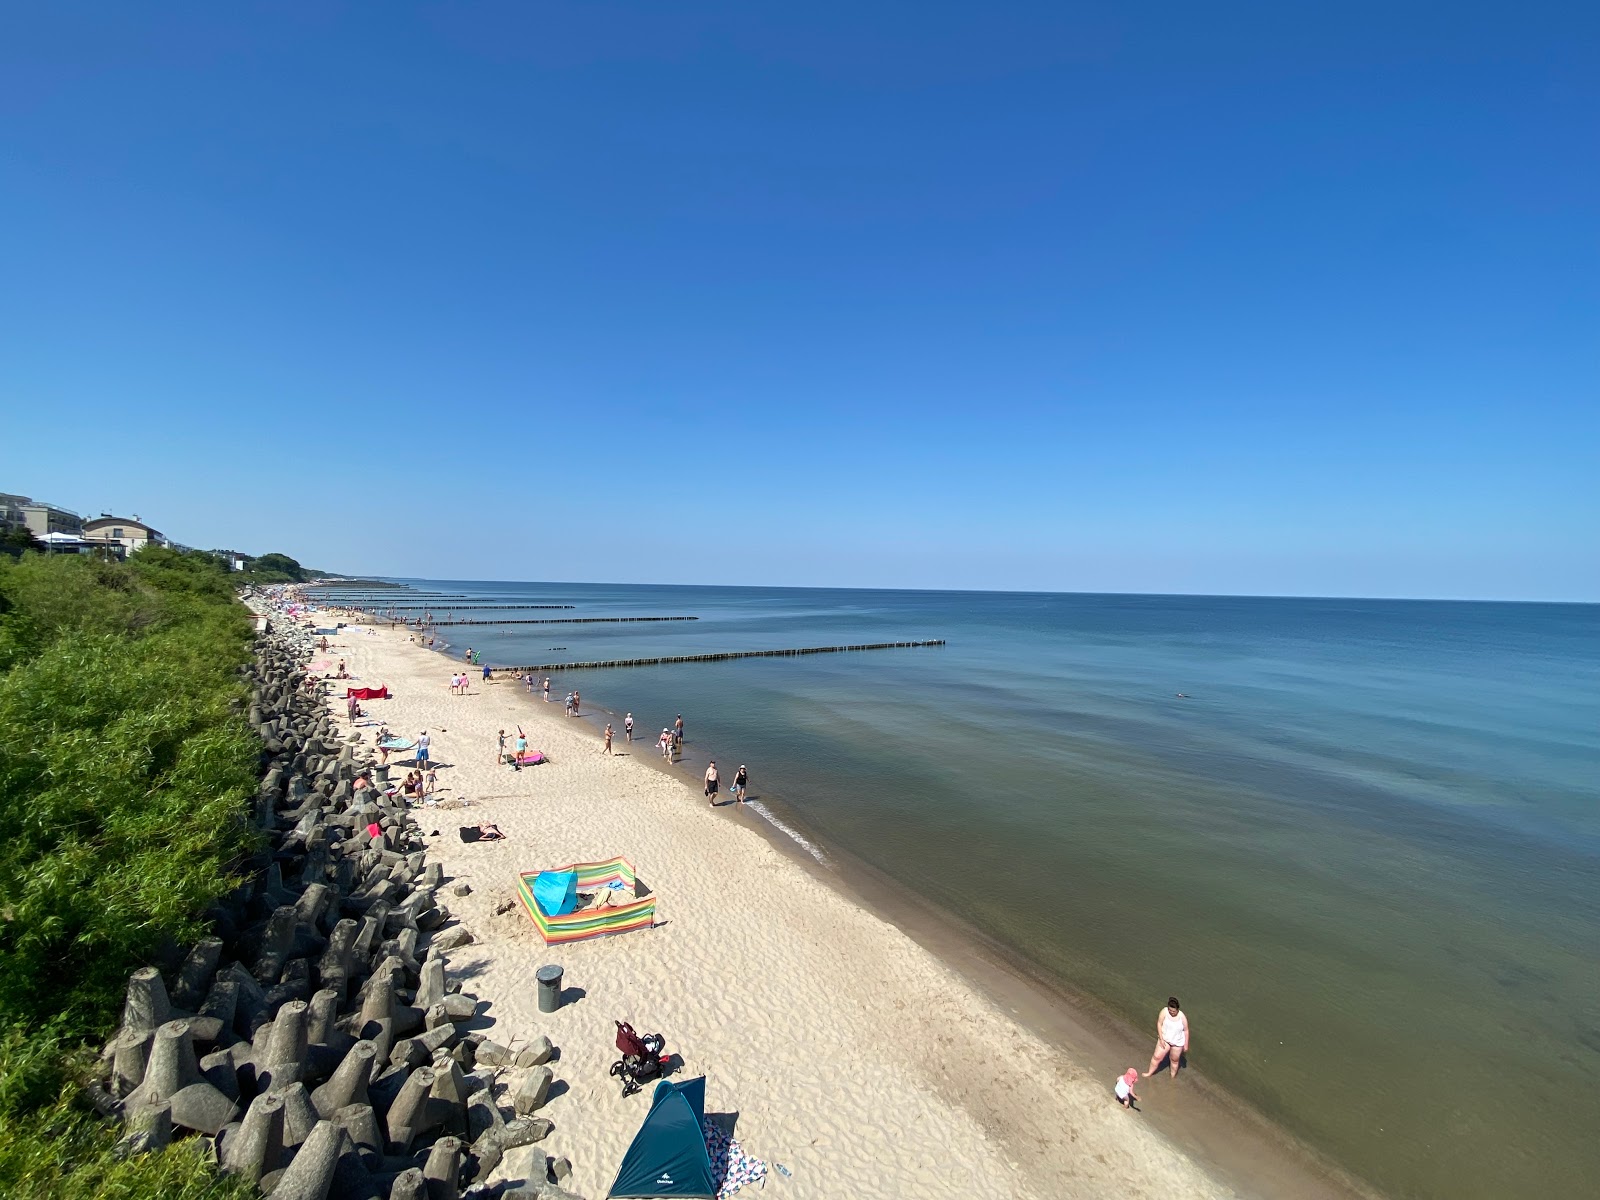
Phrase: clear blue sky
{"type": "Point", "coordinates": [1260, 298]}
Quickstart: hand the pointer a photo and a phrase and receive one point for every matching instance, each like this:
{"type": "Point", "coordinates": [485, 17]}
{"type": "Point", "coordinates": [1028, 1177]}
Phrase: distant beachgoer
{"type": "Point", "coordinates": [547, 689]}
{"type": "Point", "coordinates": [343, 674]}
{"type": "Point", "coordinates": [352, 707]}
{"type": "Point", "coordinates": [486, 674]}
{"type": "Point", "coordinates": [665, 743]}
{"type": "Point", "coordinates": [711, 783]}
{"type": "Point", "coordinates": [1172, 1037]}
{"type": "Point", "coordinates": [740, 782]}
{"type": "Point", "coordinates": [430, 781]}
{"type": "Point", "coordinates": [522, 747]}
{"type": "Point", "coordinates": [627, 727]}
{"type": "Point", "coordinates": [1124, 1089]}
{"type": "Point", "coordinates": [500, 748]}
{"type": "Point", "coordinates": [608, 738]}
{"type": "Point", "coordinates": [422, 748]}
{"type": "Point", "coordinates": [577, 702]}
{"type": "Point", "coordinates": [469, 653]}
{"type": "Point", "coordinates": [569, 704]}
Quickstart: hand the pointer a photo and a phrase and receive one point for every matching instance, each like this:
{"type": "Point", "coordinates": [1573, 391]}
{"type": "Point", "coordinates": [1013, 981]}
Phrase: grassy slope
{"type": "Point", "coordinates": [124, 776]}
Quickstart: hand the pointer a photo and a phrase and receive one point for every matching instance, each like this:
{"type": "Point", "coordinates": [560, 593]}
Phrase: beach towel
{"type": "Point", "coordinates": [393, 744]}
{"type": "Point", "coordinates": [532, 759]}
{"type": "Point", "coordinates": [365, 693]}
{"type": "Point", "coordinates": [731, 1167]}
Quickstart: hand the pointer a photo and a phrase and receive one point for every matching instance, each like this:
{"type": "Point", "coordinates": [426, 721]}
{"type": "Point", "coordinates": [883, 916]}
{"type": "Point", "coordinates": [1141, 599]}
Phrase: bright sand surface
{"type": "Point", "coordinates": [850, 1054]}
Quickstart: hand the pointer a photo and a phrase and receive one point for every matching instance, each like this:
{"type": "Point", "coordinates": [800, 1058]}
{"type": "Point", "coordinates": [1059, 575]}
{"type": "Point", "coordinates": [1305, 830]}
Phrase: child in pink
{"type": "Point", "coordinates": [1125, 1093]}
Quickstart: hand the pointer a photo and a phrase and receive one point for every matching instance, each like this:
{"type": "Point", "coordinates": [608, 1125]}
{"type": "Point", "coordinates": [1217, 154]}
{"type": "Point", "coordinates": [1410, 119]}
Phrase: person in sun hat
{"type": "Point", "coordinates": [1124, 1089]}
{"type": "Point", "coordinates": [740, 782]}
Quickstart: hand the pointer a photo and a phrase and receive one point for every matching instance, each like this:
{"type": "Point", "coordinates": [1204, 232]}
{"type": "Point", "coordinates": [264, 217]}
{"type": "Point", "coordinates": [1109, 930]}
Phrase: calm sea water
{"type": "Point", "coordinates": [1363, 849]}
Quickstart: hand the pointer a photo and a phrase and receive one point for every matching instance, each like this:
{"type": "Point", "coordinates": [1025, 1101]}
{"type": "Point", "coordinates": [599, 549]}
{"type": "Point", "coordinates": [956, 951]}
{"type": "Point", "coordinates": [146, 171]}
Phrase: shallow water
{"type": "Point", "coordinates": [1363, 850]}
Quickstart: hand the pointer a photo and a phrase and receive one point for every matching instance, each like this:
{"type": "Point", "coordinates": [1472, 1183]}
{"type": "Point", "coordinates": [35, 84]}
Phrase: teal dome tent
{"type": "Point", "coordinates": [668, 1156]}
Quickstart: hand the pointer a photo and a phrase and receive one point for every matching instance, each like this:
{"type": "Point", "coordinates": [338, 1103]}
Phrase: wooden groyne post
{"type": "Point", "coordinates": [720, 657]}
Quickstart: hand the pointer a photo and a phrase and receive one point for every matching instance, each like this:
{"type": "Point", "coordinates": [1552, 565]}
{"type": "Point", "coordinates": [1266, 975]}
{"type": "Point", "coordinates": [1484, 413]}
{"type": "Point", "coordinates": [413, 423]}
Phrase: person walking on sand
{"type": "Point", "coordinates": [500, 749]}
{"type": "Point", "coordinates": [711, 783]}
{"type": "Point", "coordinates": [1172, 1037]}
{"type": "Point", "coordinates": [665, 742]}
{"type": "Point", "coordinates": [608, 737]}
{"type": "Point", "coordinates": [627, 728]}
{"type": "Point", "coordinates": [1124, 1089]}
{"type": "Point", "coordinates": [577, 703]}
{"type": "Point", "coordinates": [740, 782]}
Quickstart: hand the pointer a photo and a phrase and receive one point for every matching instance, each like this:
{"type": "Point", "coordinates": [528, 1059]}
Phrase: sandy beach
{"type": "Point", "coordinates": [849, 1053]}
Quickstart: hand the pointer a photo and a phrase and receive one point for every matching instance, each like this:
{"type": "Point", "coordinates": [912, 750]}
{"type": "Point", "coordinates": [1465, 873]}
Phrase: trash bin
{"type": "Point", "coordinates": [549, 988]}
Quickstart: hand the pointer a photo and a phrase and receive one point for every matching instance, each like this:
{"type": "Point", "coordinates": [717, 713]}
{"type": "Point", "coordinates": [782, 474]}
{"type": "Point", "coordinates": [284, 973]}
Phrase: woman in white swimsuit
{"type": "Point", "coordinates": [1172, 1037]}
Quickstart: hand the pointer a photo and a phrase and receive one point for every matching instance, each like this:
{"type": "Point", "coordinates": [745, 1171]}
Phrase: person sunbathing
{"type": "Point", "coordinates": [490, 832]}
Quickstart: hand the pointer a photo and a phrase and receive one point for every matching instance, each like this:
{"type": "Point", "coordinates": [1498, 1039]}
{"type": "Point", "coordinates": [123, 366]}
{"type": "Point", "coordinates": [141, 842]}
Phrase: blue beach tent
{"type": "Point", "coordinates": [556, 892]}
{"type": "Point", "coordinates": [668, 1156]}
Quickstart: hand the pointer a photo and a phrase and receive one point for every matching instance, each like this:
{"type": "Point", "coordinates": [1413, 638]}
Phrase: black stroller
{"type": "Point", "coordinates": [644, 1058]}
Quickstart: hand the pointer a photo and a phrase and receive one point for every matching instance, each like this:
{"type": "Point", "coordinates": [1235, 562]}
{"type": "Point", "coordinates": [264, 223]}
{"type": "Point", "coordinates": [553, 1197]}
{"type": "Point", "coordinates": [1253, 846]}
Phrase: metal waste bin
{"type": "Point", "coordinates": [549, 988]}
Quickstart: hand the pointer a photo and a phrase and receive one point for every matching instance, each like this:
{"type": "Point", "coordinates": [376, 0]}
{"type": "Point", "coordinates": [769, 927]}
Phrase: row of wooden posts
{"type": "Point", "coordinates": [719, 657]}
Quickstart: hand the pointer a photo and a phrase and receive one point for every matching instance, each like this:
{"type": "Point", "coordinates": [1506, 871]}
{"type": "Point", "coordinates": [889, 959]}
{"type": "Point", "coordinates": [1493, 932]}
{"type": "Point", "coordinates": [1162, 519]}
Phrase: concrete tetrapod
{"type": "Point", "coordinates": [349, 1082]}
{"type": "Point", "coordinates": [443, 1169]}
{"type": "Point", "coordinates": [146, 1008]}
{"type": "Point", "coordinates": [149, 1129]}
{"type": "Point", "coordinates": [195, 974]}
{"type": "Point", "coordinates": [173, 1075]}
{"type": "Point", "coordinates": [310, 1175]}
{"type": "Point", "coordinates": [284, 1060]}
{"type": "Point", "coordinates": [409, 1114]}
{"type": "Point", "coordinates": [256, 1147]}
{"type": "Point", "coordinates": [299, 1114]}
{"type": "Point", "coordinates": [361, 1123]}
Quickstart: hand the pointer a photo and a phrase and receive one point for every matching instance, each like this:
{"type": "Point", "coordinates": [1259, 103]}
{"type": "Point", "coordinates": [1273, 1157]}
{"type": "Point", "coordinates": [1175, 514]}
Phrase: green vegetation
{"type": "Point", "coordinates": [14, 541]}
{"type": "Point", "coordinates": [125, 772]}
{"type": "Point", "coordinates": [275, 568]}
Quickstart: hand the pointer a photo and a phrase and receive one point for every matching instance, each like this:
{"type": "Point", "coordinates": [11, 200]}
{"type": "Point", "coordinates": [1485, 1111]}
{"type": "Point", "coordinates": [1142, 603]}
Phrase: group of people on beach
{"type": "Point", "coordinates": [1173, 1041]}
{"type": "Point", "coordinates": [741, 782]}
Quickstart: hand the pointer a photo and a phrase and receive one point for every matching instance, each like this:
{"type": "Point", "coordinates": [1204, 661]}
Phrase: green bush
{"type": "Point", "coordinates": [125, 772]}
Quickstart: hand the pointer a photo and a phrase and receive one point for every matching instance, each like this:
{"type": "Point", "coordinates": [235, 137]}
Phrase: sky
{"type": "Point", "coordinates": [1231, 298]}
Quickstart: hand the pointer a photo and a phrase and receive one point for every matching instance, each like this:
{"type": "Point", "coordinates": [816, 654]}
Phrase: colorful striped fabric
{"type": "Point", "coordinates": [576, 926]}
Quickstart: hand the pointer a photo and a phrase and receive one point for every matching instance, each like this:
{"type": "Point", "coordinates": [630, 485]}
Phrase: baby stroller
{"type": "Point", "coordinates": [644, 1058]}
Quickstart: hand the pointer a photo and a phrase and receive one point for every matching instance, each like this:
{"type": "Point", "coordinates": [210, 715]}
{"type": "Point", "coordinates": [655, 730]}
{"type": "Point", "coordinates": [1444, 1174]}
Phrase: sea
{"type": "Point", "coordinates": [1359, 839]}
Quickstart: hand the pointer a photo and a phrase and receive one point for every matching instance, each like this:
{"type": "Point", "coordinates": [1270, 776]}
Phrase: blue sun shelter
{"type": "Point", "coordinates": [668, 1156]}
{"type": "Point", "coordinates": [556, 892]}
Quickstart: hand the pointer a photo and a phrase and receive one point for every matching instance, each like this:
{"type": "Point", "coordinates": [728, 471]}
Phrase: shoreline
{"type": "Point", "coordinates": [1242, 1147]}
{"type": "Point", "coordinates": [1238, 1150]}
